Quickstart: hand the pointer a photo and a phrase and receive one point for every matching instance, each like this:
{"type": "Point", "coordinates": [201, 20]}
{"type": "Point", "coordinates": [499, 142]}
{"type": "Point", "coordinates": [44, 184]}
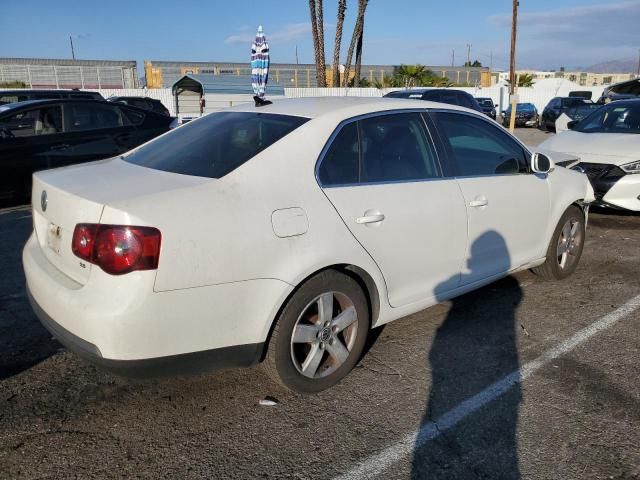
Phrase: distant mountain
{"type": "Point", "coordinates": [613, 66]}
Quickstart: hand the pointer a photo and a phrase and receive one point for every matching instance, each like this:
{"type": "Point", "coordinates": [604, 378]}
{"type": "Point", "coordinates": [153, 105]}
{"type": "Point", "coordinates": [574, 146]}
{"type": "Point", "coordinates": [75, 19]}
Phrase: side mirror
{"type": "Point", "coordinates": [496, 105]}
{"type": "Point", "coordinates": [572, 124]}
{"type": "Point", "coordinates": [540, 163]}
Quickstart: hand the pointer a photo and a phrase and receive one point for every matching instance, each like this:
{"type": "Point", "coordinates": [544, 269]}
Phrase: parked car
{"type": "Point", "coordinates": [40, 134]}
{"type": "Point", "coordinates": [576, 113]}
{"type": "Point", "coordinates": [526, 115]}
{"type": "Point", "coordinates": [22, 95]}
{"type": "Point", "coordinates": [621, 91]}
{"type": "Point", "coordinates": [608, 144]}
{"type": "Point", "coordinates": [289, 231]}
{"type": "Point", "coordinates": [146, 103]}
{"type": "Point", "coordinates": [556, 107]}
{"type": "Point", "coordinates": [442, 95]}
{"type": "Point", "coordinates": [487, 106]}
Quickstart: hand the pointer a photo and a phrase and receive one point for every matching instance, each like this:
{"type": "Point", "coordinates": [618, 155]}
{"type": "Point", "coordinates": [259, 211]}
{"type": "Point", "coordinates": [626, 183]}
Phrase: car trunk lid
{"type": "Point", "coordinates": [65, 197]}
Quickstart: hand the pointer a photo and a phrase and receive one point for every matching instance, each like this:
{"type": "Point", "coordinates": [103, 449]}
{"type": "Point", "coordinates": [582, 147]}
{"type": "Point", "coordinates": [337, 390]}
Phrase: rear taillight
{"type": "Point", "coordinates": [117, 249]}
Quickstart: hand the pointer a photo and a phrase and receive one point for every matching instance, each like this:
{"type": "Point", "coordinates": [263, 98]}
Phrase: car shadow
{"type": "Point", "coordinates": [24, 342]}
{"type": "Point", "coordinates": [474, 347]}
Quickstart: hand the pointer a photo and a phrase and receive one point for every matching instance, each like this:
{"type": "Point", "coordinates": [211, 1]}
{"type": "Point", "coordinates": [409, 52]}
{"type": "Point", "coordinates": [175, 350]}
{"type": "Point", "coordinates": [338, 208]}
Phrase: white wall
{"type": "Point", "coordinates": [539, 94]}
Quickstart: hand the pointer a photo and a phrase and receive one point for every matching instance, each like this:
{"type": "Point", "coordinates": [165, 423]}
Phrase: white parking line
{"type": "Point", "coordinates": [376, 464]}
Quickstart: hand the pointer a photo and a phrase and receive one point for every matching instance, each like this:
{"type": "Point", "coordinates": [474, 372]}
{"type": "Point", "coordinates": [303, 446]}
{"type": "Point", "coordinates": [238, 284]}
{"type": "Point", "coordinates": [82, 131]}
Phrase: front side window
{"type": "Point", "coordinates": [479, 148]}
{"type": "Point", "coordinates": [39, 121]}
{"type": "Point", "coordinates": [216, 144]}
{"type": "Point", "coordinates": [132, 117]}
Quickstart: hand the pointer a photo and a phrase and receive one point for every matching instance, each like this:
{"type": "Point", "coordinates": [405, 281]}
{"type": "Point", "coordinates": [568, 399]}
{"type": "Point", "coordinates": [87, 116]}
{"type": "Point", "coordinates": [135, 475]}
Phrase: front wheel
{"type": "Point", "coordinates": [320, 334]}
{"type": "Point", "coordinates": [565, 248]}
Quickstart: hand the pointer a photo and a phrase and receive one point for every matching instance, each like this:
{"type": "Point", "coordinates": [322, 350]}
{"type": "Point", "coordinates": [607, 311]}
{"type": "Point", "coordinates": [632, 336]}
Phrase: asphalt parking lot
{"type": "Point", "coordinates": [521, 379]}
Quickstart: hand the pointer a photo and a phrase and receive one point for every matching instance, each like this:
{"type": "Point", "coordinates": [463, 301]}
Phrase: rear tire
{"type": "Point", "coordinates": [565, 247]}
{"type": "Point", "coordinates": [320, 334]}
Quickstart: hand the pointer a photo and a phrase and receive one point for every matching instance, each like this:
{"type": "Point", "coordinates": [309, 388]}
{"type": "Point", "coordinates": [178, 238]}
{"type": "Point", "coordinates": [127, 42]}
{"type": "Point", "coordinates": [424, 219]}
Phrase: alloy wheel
{"type": "Point", "coordinates": [569, 243]}
{"type": "Point", "coordinates": [324, 335]}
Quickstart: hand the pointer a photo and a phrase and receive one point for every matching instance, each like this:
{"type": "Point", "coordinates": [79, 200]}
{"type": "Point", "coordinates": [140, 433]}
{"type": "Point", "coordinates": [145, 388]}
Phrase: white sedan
{"type": "Point", "coordinates": [285, 233]}
{"type": "Point", "coordinates": [608, 145]}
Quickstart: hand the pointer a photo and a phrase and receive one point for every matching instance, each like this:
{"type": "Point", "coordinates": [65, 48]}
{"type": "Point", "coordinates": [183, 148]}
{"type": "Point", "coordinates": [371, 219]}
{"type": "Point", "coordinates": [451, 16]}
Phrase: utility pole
{"type": "Point", "coordinates": [512, 67]}
{"type": "Point", "coordinates": [296, 54]}
{"type": "Point", "coordinates": [638, 74]}
{"type": "Point", "coordinates": [468, 54]}
{"type": "Point", "coordinates": [491, 60]}
{"type": "Point", "coordinates": [453, 57]}
{"type": "Point", "coordinates": [73, 54]}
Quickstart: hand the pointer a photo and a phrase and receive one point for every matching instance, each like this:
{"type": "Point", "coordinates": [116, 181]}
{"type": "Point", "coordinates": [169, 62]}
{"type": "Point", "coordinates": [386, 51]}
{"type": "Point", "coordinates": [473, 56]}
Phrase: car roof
{"type": "Point", "coordinates": [346, 107]}
{"type": "Point", "coordinates": [33, 90]}
{"type": "Point", "coordinates": [56, 101]}
{"type": "Point", "coordinates": [131, 97]}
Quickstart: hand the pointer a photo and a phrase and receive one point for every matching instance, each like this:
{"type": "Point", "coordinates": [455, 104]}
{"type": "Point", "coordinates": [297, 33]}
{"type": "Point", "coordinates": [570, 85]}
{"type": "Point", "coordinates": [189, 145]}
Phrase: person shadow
{"type": "Point", "coordinates": [474, 347]}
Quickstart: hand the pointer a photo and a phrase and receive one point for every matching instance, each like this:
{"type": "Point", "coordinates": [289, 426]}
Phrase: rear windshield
{"type": "Point", "coordinates": [215, 144]}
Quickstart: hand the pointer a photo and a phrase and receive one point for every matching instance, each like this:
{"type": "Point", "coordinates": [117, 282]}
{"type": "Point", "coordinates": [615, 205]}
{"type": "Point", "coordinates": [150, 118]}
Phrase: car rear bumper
{"type": "Point", "coordinates": [188, 363]}
{"type": "Point", "coordinates": [122, 324]}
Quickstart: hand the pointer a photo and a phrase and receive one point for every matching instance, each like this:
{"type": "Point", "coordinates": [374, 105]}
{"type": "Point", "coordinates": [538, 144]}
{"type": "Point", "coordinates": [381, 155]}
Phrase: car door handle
{"type": "Point", "coordinates": [62, 146]}
{"type": "Point", "coordinates": [370, 218]}
{"type": "Point", "coordinates": [479, 202]}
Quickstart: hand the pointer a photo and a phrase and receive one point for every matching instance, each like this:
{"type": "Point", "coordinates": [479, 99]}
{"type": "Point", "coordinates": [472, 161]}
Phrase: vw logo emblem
{"type": "Point", "coordinates": [44, 200]}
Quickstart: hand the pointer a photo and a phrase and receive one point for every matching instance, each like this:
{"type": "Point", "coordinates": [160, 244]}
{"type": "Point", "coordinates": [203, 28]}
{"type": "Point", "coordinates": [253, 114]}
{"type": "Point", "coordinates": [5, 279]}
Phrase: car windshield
{"type": "Point", "coordinates": [216, 144]}
{"type": "Point", "coordinates": [523, 107]}
{"type": "Point", "coordinates": [485, 102]}
{"type": "Point", "coordinates": [612, 118]}
{"type": "Point", "coordinates": [581, 111]}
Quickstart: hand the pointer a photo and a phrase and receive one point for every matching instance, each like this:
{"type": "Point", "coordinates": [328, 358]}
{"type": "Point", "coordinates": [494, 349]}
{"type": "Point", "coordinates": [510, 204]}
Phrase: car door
{"type": "Point", "coordinates": [554, 111]}
{"type": "Point", "coordinates": [383, 176]}
{"type": "Point", "coordinates": [26, 138]}
{"type": "Point", "coordinates": [503, 198]}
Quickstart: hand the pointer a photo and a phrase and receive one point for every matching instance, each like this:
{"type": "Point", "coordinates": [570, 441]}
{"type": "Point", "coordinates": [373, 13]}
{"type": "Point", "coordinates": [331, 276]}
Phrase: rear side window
{"type": "Point", "coordinates": [4, 99]}
{"type": "Point", "coordinates": [132, 117]}
{"type": "Point", "coordinates": [479, 148]}
{"type": "Point", "coordinates": [216, 144]}
{"type": "Point", "coordinates": [340, 163]}
{"type": "Point", "coordinates": [92, 117]}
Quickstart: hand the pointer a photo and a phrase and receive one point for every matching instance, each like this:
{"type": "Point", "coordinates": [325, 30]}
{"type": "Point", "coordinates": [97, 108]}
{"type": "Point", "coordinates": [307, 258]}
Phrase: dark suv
{"type": "Point", "coordinates": [13, 96]}
{"type": "Point", "coordinates": [145, 103]}
{"type": "Point", "coordinates": [442, 95]}
{"type": "Point", "coordinates": [556, 107]}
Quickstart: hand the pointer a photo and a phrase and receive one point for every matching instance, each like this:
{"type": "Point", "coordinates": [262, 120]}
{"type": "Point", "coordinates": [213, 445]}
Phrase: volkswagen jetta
{"type": "Point", "coordinates": [284, 234]}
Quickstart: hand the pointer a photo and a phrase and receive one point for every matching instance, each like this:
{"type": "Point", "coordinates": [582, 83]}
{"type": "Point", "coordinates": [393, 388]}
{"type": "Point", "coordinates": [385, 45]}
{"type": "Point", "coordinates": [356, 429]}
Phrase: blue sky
{"type": "Point", "coordinates": [552, 33]}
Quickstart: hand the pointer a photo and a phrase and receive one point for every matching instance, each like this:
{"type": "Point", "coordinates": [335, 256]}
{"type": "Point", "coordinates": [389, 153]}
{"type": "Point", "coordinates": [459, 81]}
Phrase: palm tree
{"type": "Point", "coordinates": [342, 7]}
{"type": "Point", "coordinates": [386, 82]}
{"type": "Point", "coordinates": [357, 32]}
{"type": "Point", "coordinates": [525, 80]}
{"type": "Point", "coordinates": [317, 31]}
{"type": "Point", "coordinates": [411, 75]}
